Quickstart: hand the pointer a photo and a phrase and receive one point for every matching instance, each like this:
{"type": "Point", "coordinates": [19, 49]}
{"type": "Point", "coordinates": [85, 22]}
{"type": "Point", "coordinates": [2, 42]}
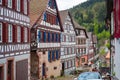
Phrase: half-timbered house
{"type": "Point", "coordinates": [14, 40]}
{"type": "Point", "coordinates": [92, 48]}
{"type": "Point", "coordinates": [45, 39]}
{"type": "Point", "coordinates": [68, 35]}
{"type": "Point", "coordinates": [81, 46]}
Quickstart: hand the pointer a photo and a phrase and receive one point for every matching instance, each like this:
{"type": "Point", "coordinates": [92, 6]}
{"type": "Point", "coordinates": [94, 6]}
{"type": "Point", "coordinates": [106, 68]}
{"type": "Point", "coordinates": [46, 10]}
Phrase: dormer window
{"type": "Point", "coordinates": [0, 1]}
{"type": "Point", "coordinates": [10, 3]}
{"type": "Point", "coordinates": [18, 5]}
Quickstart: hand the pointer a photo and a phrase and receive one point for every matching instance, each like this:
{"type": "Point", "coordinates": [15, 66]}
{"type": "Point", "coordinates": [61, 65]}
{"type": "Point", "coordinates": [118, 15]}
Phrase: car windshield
{"type": "Point", "coordinates": [89, 75]}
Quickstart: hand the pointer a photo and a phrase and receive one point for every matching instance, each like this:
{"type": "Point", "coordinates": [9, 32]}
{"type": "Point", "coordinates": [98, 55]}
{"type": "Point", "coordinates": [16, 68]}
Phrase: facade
{"type": "Point", "coordinates": [81, 46]}
{"type": "Point", "coordinates": [68, 35]}
{"type": "Point", "coordinates": [45, 39]}
{"type": "Point", "coordinates": [14, 40]}
{"type": "Point", "coordinates": [92, 47]}
{"type": "Point", "coordinates": [113, 22]}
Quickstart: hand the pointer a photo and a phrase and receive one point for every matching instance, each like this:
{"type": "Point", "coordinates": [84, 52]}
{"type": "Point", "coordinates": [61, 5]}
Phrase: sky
{"type": "Point", "coordinates": [66, 4]}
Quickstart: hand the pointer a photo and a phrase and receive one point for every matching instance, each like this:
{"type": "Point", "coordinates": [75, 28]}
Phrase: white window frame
{"type": "Point", "coordinates": [0, 1]}
{"type": "Point", "coordinates": [18, 34]}
{"type": "Point", "coordinates": [25, 6]}
{"type": "Point", "coordinates": [1, 31]}
{"type": "Point", "coordinates": [25, 35]}
{"type": "Point", "coordinates": [10, 3]}
{"type": "Point", "coordinates": [18, 5]}
{"type": "Point", "coordinates": [69, 62]}
{"type": "Point", "coordinates": [10, 34]}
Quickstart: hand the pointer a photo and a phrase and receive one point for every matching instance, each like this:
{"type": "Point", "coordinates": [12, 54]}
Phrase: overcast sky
{"type": "Point", "coordinates": [66, 4]}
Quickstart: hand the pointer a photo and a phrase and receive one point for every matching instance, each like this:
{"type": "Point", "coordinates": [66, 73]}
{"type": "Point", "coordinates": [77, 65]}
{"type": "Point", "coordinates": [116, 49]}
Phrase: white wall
{"type": "Point", "coordinates": [117, 58]}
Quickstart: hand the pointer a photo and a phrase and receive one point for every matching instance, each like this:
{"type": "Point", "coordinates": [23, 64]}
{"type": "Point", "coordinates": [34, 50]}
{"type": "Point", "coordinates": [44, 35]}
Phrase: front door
{"type": "Point", "coordinates": [43, 70]}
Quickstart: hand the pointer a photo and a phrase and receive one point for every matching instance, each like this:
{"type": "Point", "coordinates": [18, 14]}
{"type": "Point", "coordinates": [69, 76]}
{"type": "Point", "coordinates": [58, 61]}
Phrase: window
{"type": "Point", "coordinates": [0, 32]}
{"type": "Point", "coordinates": [9, 33]}
{"type": "Point", "coordinates": [73, 50]}
{"type": "Point", "coordinates": [69, 63]}
{"type": "Point", "coordinates": [69, 50]}
{"type": "Point", "coordinates": [25, 6]}
{"type": "Point", "coordinates": [44, 33]}
{"type": "Point", "coordinates": [38, 35]}
{"type": "Point", "coordinates": [65, 64]}
{"type": "Point", "coordinates": [25, 33]}
{"type": "Point", "coordinates": [10, 3]}
{"type": "Point", "coordinates": [0, 1]}
{"type": "Point", "coordinates": [73, 63]}
{"type": "Point", "coordinates": [18, 34]}
{"type": "Point", "coordinates": [65, 50]}
{"type": "Point", "coordinates": [18, 5]}
{"type": "Point", "coordinates": [83, 60]}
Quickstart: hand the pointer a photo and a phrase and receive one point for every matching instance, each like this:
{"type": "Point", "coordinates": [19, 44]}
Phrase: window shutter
{"type": "Point", "coordinates": [22, 6]}
{"type": "Point", "coordinates": [22, 34]}
{"type": "Point", "coordinates": [52, 37]}
{"type": "Point", "coordinates": [14, 34]}
{"type": "Point", "coordinates": [14, 4]}
{"type": "Point", "coordinates": [28, 37]}
{"type": "Point", "coordinates": [49, 56]}
{"type": "Point", "coordinates": [39, 36]}
{"type": "Point", "coordinates": [48, 37]}
{"type": "Point", "coordinates": [53, 55]}
{"type": "Point", "coordinates": [6, 2]}
{"type": "Point", "coordinates": [57, 57]}
{"type": "Point", "coordinates": [5, 32]}
{"type": "Point", "coordinates": [44, 36]}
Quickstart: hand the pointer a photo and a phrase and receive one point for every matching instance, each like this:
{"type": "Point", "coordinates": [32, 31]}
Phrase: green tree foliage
{"type": "Point", "coordinates": [91, 15]}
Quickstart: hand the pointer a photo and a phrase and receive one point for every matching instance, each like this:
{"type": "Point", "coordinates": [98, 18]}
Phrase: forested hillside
{"type": "Point", "coordinates": [91, 14]}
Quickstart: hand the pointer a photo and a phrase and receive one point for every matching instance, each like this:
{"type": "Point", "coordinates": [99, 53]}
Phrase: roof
{"type": "Point", "coordinates": [37, 7]}
{"type": "Point", "coordinates": [63, 15]}
{"type": "Point", "coordinates": [108, 55]}
{"type": "Point", "coordinates": [77, 25]}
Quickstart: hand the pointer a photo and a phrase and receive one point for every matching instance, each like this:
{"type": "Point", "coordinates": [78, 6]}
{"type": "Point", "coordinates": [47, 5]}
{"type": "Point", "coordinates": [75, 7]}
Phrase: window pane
{"type": "Point", "coordinates": [9, 33]}
{"type": "Point", "coordinates": [18, 5]}
{"type": "Point", "coordinates": [10, 3]}
{"type": "Point", "coordinates": [18, 34]}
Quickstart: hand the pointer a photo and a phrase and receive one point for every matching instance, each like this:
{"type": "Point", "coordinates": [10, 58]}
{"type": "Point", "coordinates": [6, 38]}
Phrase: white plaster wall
{"type": "Point", "coordinates": [117, 58]}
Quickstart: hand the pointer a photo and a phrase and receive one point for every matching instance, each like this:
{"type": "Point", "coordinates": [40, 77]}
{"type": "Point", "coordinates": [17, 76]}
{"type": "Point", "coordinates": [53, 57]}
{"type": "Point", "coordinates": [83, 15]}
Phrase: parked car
{"type": "Point", "coordinates": [89, 76]}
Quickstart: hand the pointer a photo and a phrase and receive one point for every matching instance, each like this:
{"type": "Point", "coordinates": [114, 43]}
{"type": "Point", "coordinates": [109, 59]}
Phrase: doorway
{"type": "Point", "coordinates": [10, 70]}
{"type": "Point", "coordinates": [63, 68]}
{"type": "Point", "coordinates": [43, 70]}
{"type": "Point", "coordinates": [1, 73]}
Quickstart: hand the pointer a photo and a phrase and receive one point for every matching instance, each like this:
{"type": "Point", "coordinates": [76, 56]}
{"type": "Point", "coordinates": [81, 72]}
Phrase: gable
{"type": "Point", "coordinates": [50, 17]}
